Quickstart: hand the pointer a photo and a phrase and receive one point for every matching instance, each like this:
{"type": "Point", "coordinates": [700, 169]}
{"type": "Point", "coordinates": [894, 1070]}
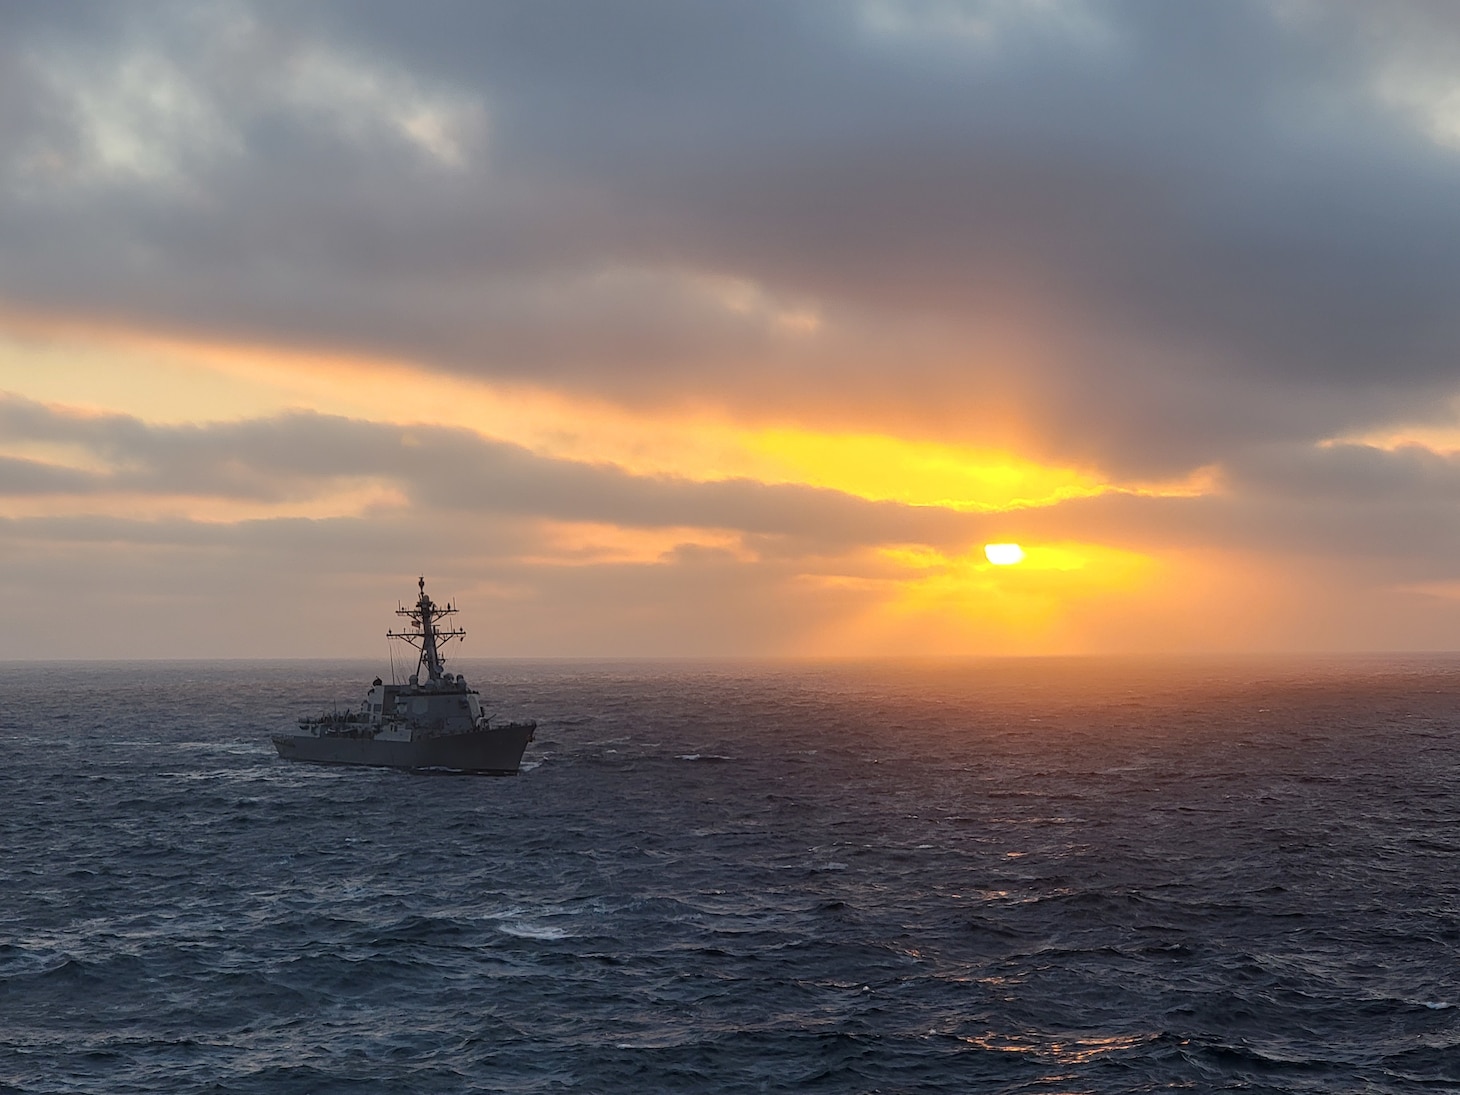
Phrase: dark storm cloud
{"type": "Point", "coordinates": [1218, 230]}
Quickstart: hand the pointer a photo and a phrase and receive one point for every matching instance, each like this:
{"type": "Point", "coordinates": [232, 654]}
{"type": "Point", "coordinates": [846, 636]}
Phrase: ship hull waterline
{"type": "Point", "coordinates": [496, 752]}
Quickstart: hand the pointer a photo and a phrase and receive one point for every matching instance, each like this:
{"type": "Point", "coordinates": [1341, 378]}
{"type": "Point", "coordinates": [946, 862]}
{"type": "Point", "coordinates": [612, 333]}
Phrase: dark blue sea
{"type": "Point", "coordinates": [1050, 876]}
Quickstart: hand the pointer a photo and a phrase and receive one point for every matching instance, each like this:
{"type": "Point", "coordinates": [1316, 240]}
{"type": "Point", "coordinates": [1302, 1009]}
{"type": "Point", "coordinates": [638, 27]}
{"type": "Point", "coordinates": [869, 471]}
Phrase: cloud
{"type": "Point", "coordinates": [560, 557]}
{"type": "Point", "coordinates": [1339, 501]}
{"type": "Point", "coordinates": [1143, 241]}
{"type": "Point", "coordinates": [566, 557]}
{"type": "Point", "coordinates": [439, 470]}
{"type": "Point", "coordinates": [166, 103]}
{"type": "Point", "coordinates": [1219, 209]}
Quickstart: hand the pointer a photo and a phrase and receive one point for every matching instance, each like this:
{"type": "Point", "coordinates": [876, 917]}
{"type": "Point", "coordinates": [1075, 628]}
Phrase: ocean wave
{"type": "Point", "coordinates": [878, 883]}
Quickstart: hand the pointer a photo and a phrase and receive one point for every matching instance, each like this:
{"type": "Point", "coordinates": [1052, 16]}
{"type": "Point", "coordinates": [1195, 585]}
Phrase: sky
{"type": "Point", "coordinates": [683, 328]}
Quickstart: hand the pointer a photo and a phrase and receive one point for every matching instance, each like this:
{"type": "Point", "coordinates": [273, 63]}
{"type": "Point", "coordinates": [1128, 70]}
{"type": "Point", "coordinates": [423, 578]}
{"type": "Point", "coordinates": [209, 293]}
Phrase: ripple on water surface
{"type": "Point", "coordinates": [994, 876]}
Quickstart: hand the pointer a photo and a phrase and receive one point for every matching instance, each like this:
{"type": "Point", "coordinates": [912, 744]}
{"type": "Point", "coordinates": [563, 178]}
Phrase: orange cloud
{"type": "Point", "coordinates": [167, 379]}
{"type": "Point", "coordinates": [909, 599]}
{"type": "Point", "coordinates": [587, 543]}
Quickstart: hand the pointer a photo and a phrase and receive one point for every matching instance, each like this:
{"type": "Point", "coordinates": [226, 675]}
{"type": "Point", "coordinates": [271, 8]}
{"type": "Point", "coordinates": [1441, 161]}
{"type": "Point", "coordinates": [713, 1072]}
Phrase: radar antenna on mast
{"type": "Point", "coordinates": [424, 634]}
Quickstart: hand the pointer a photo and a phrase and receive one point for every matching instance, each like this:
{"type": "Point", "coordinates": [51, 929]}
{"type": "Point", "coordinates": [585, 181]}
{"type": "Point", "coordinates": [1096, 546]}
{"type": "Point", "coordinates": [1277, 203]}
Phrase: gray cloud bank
{"type": "Point", "coordinates": [1393, 509]}
{"type": "Point", "coordinates": [1159, 236]}
{"type": "Point", "coordinates": [299, 457]}
{"type": "Point", "coordinates": [1210, 227]}
{"type": "Point", "coordinates": [471, 511]}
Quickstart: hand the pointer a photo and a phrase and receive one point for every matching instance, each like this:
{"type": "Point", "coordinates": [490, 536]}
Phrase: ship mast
{"type": "Point", "coordinates": [425, 635]}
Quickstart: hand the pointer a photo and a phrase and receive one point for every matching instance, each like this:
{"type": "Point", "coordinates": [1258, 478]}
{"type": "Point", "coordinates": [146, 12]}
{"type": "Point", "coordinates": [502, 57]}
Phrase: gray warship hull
{"type": "Point", "coordinates": [494, 751]}
{"type": "Point", "coordinates": [432, 721]}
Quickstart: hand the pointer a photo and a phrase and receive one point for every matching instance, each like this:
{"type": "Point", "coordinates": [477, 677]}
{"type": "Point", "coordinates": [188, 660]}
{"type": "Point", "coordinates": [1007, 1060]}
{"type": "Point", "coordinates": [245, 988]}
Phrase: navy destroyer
{"type": "Point", "coordinates": [433, 721]}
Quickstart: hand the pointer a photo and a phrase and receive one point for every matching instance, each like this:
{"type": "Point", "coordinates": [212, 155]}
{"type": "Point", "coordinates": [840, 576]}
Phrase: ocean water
{"type": "Point", "coordinates": [1049, 876]}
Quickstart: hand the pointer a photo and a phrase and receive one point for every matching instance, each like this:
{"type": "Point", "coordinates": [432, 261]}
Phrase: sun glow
{"type": "Point", "coordinates": [916, 599]}
{"type": "Point", "coordinates": [1003, 555]}
{"type": "Point", "coordinates": [861, 597]}
{"type": "Point", "coordinates": [169, 379]}
{"type": "Point", "coordinates": [915, 472]}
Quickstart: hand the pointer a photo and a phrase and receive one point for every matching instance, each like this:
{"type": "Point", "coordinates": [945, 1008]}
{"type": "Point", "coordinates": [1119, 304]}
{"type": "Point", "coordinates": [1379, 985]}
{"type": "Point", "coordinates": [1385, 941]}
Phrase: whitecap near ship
{"type": "Point", "coordinates": [433, 721]}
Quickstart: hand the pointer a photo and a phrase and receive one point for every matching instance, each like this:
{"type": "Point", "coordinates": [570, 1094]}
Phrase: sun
{"type": "Point", "coordinates": [1003, 555]}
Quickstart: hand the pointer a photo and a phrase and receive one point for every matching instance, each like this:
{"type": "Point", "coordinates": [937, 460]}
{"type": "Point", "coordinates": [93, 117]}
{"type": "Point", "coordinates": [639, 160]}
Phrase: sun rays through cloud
{"type": "Point", "coordinates": [664, 357]}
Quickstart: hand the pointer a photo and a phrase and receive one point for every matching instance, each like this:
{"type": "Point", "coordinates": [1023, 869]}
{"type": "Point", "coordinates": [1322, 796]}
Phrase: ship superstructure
{"type": "Point", "coordinates": [433, 721]}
